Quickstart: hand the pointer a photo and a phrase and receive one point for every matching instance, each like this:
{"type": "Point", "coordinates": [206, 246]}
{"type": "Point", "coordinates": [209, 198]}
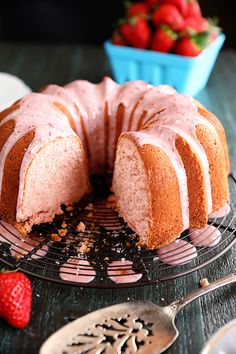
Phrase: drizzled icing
{"type": "Point", "coordinates": [225, 210]}
{"type": "Point", "coordinates": [168, 146]}
{"type": "Point", "coordinates": [77, 270]}
{"type": "Point", "coordinates": [38, 113]}
{"type": "Point", "coordinates": [176, 115]}
{"type": "Point", "coordinates": [177, 252]}
{"type": "Point", "coordinates": [121, 272]}
{"type": "Point", "coordinates": [209, 236]}
{"type": "Point", "coordinates": [20, 246]}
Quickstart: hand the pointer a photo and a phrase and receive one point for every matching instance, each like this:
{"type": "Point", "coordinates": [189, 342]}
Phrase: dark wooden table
{"type": "Point", "coordinates": [54, 305]}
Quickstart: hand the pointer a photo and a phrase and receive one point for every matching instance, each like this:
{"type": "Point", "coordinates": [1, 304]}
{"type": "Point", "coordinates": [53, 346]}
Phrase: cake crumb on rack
{"type": "Point", "coordinates": [17, 255]}
{"type": "Point", "coordinates": [69, 208]}
{"type": "Point", "coordinates": [90, 214]}
{"type": "Point", "coordinates": [81, 227]}
{"type": "Point", "coordinates": [64, 225]}
{"type": "Point", "coordinates": [89, 206]}
{"type": "Point", "coordinates": [84, 247]}
{"type": "Point", "coordinates": [204, 282]}
{"type": "Point", "coordinates": [55, 237]}
{"type": "Point", "coordinates": [62, 232]}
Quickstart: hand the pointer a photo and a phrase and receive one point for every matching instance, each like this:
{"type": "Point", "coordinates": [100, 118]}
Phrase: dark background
{"type": "Point", "coordinates": [84, 21]}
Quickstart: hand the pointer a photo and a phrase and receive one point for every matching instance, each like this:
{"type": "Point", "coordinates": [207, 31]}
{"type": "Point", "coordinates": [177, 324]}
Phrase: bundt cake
{"type": "Point", "coordinates": [170, 153]}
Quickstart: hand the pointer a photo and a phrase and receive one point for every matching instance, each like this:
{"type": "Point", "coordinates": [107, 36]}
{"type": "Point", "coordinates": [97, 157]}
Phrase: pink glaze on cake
{"type": "Point", "coordinates": [100, 114]}
{"type": "Point", "coordinates": [121, 272]}
{"type": "Point", "coordinates": [220, 213]}
{"type": "Point", "coordinates": [177, 253]}
{"type": "Point", "coordinates": [168, 146]}
{"type": "Point", "coordinates": [209, 236]}
{"type": "Point", "coordinates": [180, 115]}
{"type": "Point", "coordinates": [77, 270]}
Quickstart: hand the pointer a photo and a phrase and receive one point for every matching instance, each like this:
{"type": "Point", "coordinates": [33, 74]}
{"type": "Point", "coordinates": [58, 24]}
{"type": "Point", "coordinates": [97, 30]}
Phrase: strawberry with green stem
{"type": "Point", "coordinates": [137, 9]}
{"type": "Point", "coordinates": [15, 298]}
{"type": "Point", "coordinates": [193, 25]}
{"type": "Point", "coordinates": [136, 32]}
{"type": "Point", "coordinates": [194, 45]}
{"type": "Point", "coordinates": [117, 39]}
{"type": "Point", "coordinates": [163, 39]}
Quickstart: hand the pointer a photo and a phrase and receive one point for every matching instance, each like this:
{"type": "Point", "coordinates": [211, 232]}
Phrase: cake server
{"type": "Point", "coordinates": [137, 326]}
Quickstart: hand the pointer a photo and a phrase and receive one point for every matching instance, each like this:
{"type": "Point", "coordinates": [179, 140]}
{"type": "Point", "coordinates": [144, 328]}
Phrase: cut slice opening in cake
{"type": "Point", "coordinates": [130, 188]}
{"type": "Point", "coordinates": [57, 175]}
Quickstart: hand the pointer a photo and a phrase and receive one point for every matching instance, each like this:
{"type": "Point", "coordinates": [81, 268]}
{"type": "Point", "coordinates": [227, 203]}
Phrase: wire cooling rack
{"type": "Point", "coordinates": [97, 249]}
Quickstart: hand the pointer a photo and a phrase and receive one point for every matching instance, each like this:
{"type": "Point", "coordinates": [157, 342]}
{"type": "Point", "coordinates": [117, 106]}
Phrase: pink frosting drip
{"type": "Point", "coordinates": [77, 270]}
{"type": "Point", "coordinates": [121, 272]}
{"type": "Point", "coordinates": [164, 138]}
{"type": "Point", "coordinates": [225, 210]}
{"type": "Point", "coordinates": [179, 114]}
{"type": "Point", "coordinates": [20, 246]}
{"type": "Point", "coordinates": [209, 236]}
{"type": "Point", "coordinates": [177, 253]}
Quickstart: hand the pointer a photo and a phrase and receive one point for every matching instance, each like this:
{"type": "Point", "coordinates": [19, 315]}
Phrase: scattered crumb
{"type": "Point", "coordinates": [64, 225]}
{"type": "Point", "coordinates": [55, 237]}
{"type": "Point", "coordinates": [106, 259]}
{"type": "Point", "coordinates": [204, 282]}
{"type": "Point", "coordinates": [81, 227]}
{"type": "Point", "coordinates": [84, 248]}
{"type": "Point", "coordinates": [17, 255]}
{"type": "Point", "coordinates": [62, 232]}
{"type": "Point", "coordinates": [90, 215]}
{"type": "Point", "coordinates": [69, 208]}
{"type": "Point", "coordinates": [89, 206]}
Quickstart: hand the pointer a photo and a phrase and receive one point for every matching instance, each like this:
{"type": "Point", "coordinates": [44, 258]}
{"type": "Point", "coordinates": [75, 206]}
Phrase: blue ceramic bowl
{"type": "Point", "coordinates": [187, 75]}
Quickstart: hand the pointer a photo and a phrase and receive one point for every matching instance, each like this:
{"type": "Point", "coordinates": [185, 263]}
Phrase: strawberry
{"type": "Point", "coordinates": [192, 46]}
{"type": "Point", "coordinates": [15, 298]}
{"type": "Point", "coordinates": [136, 32]}
{"type": "Point", "coordinates": [167, 14]}
{"type": "Point", "coordinates": [137, 9]}
{"type": "Point", "coordinates": [163, 39]}
{"type": "Point", "coordinates": [118, 39]}
{"type": "Point", "coordinates": [181, 5]}
{"type": "Point", "coordinates": [194, 25]}
{"type": "Point", "coordinates": [193, 9]}
{"type": "Point", "coordinates": [151, 3]}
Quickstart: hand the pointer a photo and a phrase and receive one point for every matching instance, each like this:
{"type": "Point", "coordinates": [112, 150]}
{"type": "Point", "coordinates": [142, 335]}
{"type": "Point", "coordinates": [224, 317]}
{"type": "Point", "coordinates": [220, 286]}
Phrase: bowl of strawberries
{"type": "Point", "coordinates": [165, 42]}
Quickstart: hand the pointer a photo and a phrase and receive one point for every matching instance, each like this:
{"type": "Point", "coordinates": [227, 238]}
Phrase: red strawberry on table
{"type": "Point", "coordinates": [15, 298]}
{"type": "Point", "coordinates": [163, 39]}
{"type": "Point", "coordinates": [181, 5]}
{"type": "Point", "coordinates": [192, 46]}
{"type": "Point", "coordinates": [167, 14]}
{"type": "Point", "coordinates": [137, 9]}
{"type": "Point", "coordinates": [136, 32]}
{"type": "Point", "coordinates": [118, 39]}
{"type": "Point", "coordinates": [193, 9]}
